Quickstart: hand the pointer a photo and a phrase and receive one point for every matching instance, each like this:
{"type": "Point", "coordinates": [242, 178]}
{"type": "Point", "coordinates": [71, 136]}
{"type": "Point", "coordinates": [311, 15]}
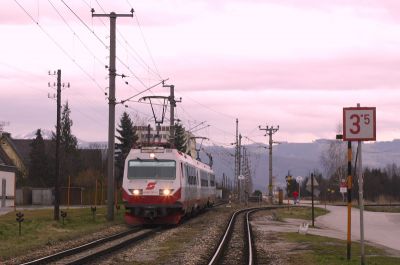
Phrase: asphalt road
{"type": "Point", "coordinates": [380, 228]}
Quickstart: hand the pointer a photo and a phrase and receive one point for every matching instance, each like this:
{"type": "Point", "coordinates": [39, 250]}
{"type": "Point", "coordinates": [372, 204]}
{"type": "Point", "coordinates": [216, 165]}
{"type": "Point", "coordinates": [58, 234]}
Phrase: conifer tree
{"type": "Point", "coordinates": [69, 156]}
{"type": "Point", "coordinates": [68, 141]}
{"type": "Point", "coordinates": [180, 138]}
{"type": "Point", "coordinates": [38, 167]}
{"type": "Point", "coordinates": [127, 139]}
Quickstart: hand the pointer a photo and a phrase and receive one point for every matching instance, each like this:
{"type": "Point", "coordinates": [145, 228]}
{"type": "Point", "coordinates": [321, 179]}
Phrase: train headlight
{"type": "Point", "coordinates": [152, 155]}
{"type": "Point", "coordinates": [136, 192]}
{"type": "Point", "coordinates": [166, 192]}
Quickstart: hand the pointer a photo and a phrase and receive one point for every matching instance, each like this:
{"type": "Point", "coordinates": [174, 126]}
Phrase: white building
{"type": "Point", "coordinates": [7, 186]}
{"type": "Point", "coordinates": [149, 135]}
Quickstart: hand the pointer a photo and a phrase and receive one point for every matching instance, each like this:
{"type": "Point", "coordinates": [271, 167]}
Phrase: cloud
{"type": "Point", "coordinates": [365, 71]}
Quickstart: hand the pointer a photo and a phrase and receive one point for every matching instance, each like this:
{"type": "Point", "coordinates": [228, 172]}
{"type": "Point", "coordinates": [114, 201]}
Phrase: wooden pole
{"type": "Point", "coordinates": [95, 195]}
{"type": "Point", "coordinates": [69, 190]}
{"type": "Point", "coordinates": [349, 188]}
{"type": "Point", "coordinates": [312, 198]}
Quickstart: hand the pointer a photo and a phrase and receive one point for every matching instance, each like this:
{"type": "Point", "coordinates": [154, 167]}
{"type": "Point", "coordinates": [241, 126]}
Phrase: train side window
{"type": "Point", "coordinates": [187, 173]}
{"type": "Point", "coordinates": [203, 178]}
{"type": "Point", "coordinates": [182, 171]}
{"type": "Point", "coordinates": [212, 180]}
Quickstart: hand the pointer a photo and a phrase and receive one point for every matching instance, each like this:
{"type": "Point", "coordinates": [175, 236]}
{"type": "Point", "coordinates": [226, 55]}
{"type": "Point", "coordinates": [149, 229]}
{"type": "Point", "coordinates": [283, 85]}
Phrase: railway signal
{"type": "Point", "coordinates": [19, 219]}
{"type": "Point", "coordinates": [93, 209]}
{"type": "Point", "coordinates": [63, 215]}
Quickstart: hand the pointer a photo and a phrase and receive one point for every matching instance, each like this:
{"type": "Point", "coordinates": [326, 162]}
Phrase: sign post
{"type": "Point", "coordinates": [299, 179]}
{"type": "Point", "coordinates": [311, 186]}
{"type": "Point", "coordinates": [359, 124]}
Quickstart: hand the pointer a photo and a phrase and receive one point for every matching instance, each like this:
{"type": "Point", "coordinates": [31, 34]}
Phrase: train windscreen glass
{"type": "Point", "coordinates": [151, 169]}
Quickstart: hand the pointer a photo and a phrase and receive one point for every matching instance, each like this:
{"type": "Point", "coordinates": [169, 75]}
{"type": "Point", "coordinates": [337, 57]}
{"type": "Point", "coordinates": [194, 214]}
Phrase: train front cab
{"type": "Point", "coordinates": [151, 190]}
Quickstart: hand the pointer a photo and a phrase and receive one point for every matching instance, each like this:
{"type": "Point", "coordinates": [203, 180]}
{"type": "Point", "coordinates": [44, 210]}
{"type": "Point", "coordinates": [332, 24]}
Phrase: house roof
{"type": "Point", "coordinates": [4, 159]}
{"type": "Point", "coordinates": [22, 147]}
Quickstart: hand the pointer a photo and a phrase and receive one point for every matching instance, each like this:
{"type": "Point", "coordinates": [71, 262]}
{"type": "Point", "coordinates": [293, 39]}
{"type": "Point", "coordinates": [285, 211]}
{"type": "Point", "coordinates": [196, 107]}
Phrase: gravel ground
{"type": "Point", "coordinates": [270, 248]}
{"type": "Point", "coordinates": [53, 247]}
{"type": "Point", "coordinates": [234, 254]}
{"type": "Point", "coordinates": [190, 243]}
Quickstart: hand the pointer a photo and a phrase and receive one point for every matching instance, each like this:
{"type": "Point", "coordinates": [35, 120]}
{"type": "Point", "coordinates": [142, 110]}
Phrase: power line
{"type": "Point", "coordinates": [84, 23]}
{"type": "Point", "coordinates": [144, 39]}
{"type": "Point", "coordinates": [75, 34]}
{"type": "Point", "coordinates": [59, 46]}
{"type": "Point", "coordinates": [139, 59]}
{"type": "Point", "coordinates": [211, 109]}
{"type": "Point", "coordinates": [102, 42]}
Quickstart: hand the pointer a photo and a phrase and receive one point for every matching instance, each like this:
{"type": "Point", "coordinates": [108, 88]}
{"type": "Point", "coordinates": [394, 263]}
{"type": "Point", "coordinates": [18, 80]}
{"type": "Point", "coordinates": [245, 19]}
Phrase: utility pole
{"type": "Point", "coordinates": [245, 171]}
{"type": "Point", "coordinates": [111, 111]}
{"type": "Point", "coordinates": [58, 132]}
{"type": "Point", "coordinates": [270, 131]}
{"type": "Point", "coordinates": [236, 179]}
{"type": "Point", "coordinates": [240, 177]}
{"type": "Point", "coordinates": [172, 103]}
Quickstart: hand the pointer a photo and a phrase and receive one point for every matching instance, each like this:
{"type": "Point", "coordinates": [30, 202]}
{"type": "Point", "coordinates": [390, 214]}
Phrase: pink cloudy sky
{"type": "Point", "coordinates": [294, 63]}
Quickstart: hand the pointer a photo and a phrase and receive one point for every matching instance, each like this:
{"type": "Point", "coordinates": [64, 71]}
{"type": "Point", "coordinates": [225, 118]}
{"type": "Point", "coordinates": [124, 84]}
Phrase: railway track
{"type": "Point", "coordinates": [96, 249]}
{"type": "Point", "coordinates": [237, 245]}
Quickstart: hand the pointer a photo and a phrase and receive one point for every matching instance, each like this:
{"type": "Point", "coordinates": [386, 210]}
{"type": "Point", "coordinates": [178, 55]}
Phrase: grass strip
{"type": "Point", "coordinates": [40, 230]}
{"type": "Point", "coordinates": [298, 213]}
{"type": "Point", "coordinates": [330, 251]}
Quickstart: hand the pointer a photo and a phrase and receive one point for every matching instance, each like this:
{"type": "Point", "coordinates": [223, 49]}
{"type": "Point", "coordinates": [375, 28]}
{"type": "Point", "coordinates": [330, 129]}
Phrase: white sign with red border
{"type": "Point", "coordinates": [359, 124]}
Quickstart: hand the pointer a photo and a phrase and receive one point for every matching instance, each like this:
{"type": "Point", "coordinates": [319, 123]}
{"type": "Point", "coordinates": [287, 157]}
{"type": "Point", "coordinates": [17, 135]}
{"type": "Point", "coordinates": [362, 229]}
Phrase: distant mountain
{"type": "Point", "coordinates": [299, 158]}
{"type": "Point", "coordinates": [46, 134]}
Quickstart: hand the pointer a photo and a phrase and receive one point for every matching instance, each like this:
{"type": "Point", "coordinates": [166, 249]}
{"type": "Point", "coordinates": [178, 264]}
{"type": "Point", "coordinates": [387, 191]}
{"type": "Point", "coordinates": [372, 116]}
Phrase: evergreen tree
{"type": "Point", "coordinates": [69, 156]}
{"type": "Point", "coordinates": [127, 139]}
{"type": "Point", "coordinates": [180, 138]}
{"type": "Point", "coordinates": [38, 169]}
{"type": "Point", "coordinates": [68, 141]}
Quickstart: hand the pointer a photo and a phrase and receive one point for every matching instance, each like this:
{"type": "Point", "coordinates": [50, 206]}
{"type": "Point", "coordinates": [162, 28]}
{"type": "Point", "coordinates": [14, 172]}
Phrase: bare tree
{"type": "Point", "coordinates": [334, 159]}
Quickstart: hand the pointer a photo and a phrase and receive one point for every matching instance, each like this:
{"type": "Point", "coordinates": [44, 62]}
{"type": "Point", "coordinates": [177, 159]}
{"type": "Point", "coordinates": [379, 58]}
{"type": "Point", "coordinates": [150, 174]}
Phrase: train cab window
{"type": "Point", "coordinates": [151, 169]}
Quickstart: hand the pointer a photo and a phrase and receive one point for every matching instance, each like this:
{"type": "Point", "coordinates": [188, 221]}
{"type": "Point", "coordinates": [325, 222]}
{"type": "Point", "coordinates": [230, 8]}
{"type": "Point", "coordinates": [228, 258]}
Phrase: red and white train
{"type": "Point", "coordinates": [162, 185]}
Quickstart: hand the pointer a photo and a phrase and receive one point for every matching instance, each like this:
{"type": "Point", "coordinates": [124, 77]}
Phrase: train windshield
{"type": "Point", "coordinates": [151, 169]}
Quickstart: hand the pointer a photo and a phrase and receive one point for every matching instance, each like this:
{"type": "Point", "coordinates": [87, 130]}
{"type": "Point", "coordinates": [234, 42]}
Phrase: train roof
{"type": "Point", "coordinates": [157, 150]}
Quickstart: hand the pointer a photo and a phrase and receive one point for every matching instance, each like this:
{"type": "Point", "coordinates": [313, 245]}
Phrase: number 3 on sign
{"type": "Point", "coordinates": [356, 118]}
{"type": "Point", "coordinates": [359, 124]}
